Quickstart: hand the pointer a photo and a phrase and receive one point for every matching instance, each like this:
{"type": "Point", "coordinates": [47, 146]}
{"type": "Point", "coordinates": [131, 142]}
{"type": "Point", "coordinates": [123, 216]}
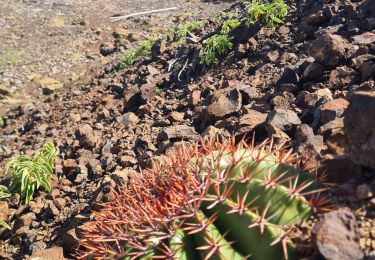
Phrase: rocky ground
{"type": "Point", "coordinates": [47, 45]}
{"type": "Point", "coordinates": [309, 82]}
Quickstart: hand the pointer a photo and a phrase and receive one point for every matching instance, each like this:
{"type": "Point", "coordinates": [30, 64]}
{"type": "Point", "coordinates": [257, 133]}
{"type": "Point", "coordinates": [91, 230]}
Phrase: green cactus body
{"type": "Point", "coordinates": [225, 202]}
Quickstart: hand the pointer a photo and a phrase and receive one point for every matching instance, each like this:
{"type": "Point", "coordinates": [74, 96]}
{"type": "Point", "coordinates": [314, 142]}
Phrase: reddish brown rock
{"type": "Point", "coordinates": [224, 103]}
{"type": "Point", "coordinates": [342, 76]}
{"type": "Point", "coordinates": [249, 94]}
{"type": "Point", "coordinates": [252, 119]}
{"type": "Point", "coordinates": [195, 97]}
{"type": "Point", "coordinates": [128, 119]}
{"type": "Point", "coordinates": [337, 235]}
{"type": "Point", "coordinates": [70, 164]}
{"type": "Point", "coordinates": [131, 97]}
{"type": "Point", "coordinates": [53, 253]}
{"type": "Point", "coordinates": [309, 145]}
{"type": "Point", "coordinates": [329, 49]}
{"type": "Point", "coordinates": [316, 18]}
{"type": "Point", "coordinates": [360, 127]}
{"type": "Point", "coordinates": [176, 116]}
{"type": "Point", "coordinates": [332, 110]}
{"type": "Point", "coordinates": [36, 205]}
{"type": "Point", "coordinates": [86, 136]}
{"type": "Point", "coordinates": [147, 91]}
{"type": "Point", "coordinates": [284, 101]}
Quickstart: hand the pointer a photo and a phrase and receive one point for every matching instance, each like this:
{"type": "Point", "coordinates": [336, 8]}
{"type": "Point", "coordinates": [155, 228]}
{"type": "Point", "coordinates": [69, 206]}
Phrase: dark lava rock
{"type": "Point", "coordinates": [86, 136]}
{"type": "Point", "coordinates": [341, 168]}
{"type": "Point", "coordinates": [313, 71]}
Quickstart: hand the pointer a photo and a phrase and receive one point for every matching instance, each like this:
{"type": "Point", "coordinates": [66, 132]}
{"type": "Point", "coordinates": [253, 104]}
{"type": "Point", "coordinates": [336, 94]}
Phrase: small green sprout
{"type": "Point", "coordinates": [159, 90]}
{"type": "Point", "coordinates": [229, 25]}
{"type": "Point", "coordinates": [143, 49]}
{"type": "Point", "coordinates": [208, 57]}
{"type": "Point", "coordinates": [129, 58]}
{"type": "Point", "coordinates": [29, 174]}
{"type": "Point", "coordinates": [2, 121]}
{"type": "Point", "coordinates": [220, 43]}
{"type": "Point", "coordinates": [222, 15]}
{"type": "Point", "coordinates": [271, 13]}
{"type": "Point", "coordinates": [217, 44]}
{"type": "Point", "coordinates": [188, 28]}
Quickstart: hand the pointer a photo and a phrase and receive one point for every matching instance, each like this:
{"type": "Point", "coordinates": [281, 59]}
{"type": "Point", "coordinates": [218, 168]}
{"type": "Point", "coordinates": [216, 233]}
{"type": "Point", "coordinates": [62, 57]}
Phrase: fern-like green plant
{"type": "Point", "coordinates": [217, 44]}
{"type": "Point", "coordinates": [28, 175]}
{"type": "Point", "coordinates": [271, 12]}
{"type": "Point", "coordinates": [4, 193]}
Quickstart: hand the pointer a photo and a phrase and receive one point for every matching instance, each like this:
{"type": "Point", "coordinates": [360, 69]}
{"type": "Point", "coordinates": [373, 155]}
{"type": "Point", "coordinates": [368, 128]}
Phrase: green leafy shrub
{"type": "Point", "coordinates": [28, 174]}
{"type": "Point", "coordinates": [271, 12]}
{"type": "Point", "coordinates": [217, 44]}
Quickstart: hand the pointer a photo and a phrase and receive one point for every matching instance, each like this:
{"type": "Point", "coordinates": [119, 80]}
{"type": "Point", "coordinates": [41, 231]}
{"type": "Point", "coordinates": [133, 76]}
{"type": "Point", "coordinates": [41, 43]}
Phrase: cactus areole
{"type": "Point", "coordinates": [214, 201]}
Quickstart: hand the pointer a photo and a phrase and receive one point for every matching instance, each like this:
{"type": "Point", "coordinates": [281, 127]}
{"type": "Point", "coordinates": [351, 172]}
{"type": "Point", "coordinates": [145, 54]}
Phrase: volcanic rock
{"type": "Point", "coordinates": [337, 236]}
{"type": "Point", "coordinates": [178, 132]}
{"type": "Point", "coordinates": [53, 253]}
{"type": "Point", "coordinates": [360, 127]}
{"type": "Point", "coordinates": [224, 103]}
{"type": "Point", "coordinates": [329, 49]}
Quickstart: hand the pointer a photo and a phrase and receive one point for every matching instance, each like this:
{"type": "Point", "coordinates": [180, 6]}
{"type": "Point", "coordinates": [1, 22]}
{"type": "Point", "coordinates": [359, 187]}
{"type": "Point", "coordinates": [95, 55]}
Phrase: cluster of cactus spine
{"type": "Point", "coordinates": [219, 201]}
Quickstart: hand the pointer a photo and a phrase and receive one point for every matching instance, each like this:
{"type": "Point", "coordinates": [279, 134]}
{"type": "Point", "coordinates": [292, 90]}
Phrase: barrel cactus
{"type": "Point", "coordinates": [216, 201]}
